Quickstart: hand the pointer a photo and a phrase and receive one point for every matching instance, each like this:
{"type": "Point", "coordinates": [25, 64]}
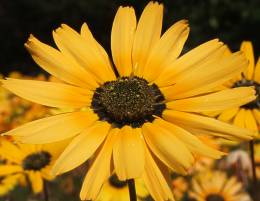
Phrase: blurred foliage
{"type": "Point", "coordinates": [231, 21]}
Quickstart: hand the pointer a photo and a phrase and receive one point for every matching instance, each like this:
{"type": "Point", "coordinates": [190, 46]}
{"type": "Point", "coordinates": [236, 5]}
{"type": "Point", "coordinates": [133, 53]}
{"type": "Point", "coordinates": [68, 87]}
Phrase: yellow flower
{"type": "Point", "coordinates": [35, 161]}
{"type": "Point", "coordinates": [8, 183]}
{"type": "Point", "coordinates": [247, 115]}
{"type": "Point", "coordinates": [116, 190]}
{"type": "Point", "coordinates": [215, 186]}
{"type": "Point", "coordinates": [140, 114]}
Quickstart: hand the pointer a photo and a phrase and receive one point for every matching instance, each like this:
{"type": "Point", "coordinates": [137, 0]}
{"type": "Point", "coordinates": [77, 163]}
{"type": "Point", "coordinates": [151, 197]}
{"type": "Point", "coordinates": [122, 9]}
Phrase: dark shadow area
{"type": "Point", "coordinates": [231, 21]}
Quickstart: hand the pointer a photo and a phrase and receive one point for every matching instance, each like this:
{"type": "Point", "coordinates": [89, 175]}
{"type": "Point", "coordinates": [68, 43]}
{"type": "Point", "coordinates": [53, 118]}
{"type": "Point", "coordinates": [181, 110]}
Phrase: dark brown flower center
{"type": "Point", "coordinates": [128, 101]}
{"type": "Point", "coordinates": [215, 197]}
{"type": "Point", "coordinates": [115, 182]}
{"type": "Point", "coordinates": [37, 161]}
{"type": "Point", "coordinates": [247, 83]}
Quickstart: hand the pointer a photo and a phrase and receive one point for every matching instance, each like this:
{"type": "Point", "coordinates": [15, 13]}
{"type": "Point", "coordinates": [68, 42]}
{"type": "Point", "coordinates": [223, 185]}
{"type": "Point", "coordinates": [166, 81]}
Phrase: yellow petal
{"type": "Point", "coordinates": [167, 49]}
{"type": "Point", "coordinates": [86, 34]}
{"type": "Point", "coordinates": [46, 173]}
{"type": "Point", "coordinates": [128, 153]}
{"type": "Point", "coordinates": [212, 113]}
{"type": "Point", "coordinates": [10, 151]}
{"type": "Point", "coordinates": [85, 52]}
{"type": "Point", "coordinates": [229, 184]}
{"type": "Point", "coordinates": [161, 142]}
{"type": "Point", "coordinates": [221, 100]}
{"type": "Point", "coordinates": [56, 148]}
{"type": "Point", "coordinates": [247, 48]}
{"type": "Point", "coordinates": [7, 185]}
{"type": "Point", "coordinates": [227, 52]}
{"type": "Point", "coordinates": [49, 93]}
{"type": "Point", "coordinates": [210, 125]}
{"type": "Point", "coordinates": [155, 181]}
{"type": "Point", "coordinates": [36, 181]}
{"type": "Point", "coordinates": [11, 180]}
{"type": "Point", "coordinates": [250, 122]}
{"type": "Point", "coordinates": [227, 115]}
{"type": "Point", "coordinates": [9, 169]}
{"type": "Point", "coordinates": [26, 148]}
{"type": "Point", "coordinates": [197, 187]}
{"type": "Point", "coordinates": [257, 71]}
{"type": "Point", "coordinates": [239, 119]}
{"type": "Point", "coordinates": [100, 169]}
{"type": "Point", "coordinates": [55, 128]}
{"type": "Point", "coordinates": [257, 115]}
{"type": "Point", "coordinates": [140, 188]}
{"type": "Point", "coordinates": [147, 33]}
{"type": "Point", "coordinates": [203, 132]}
{"type": "Point", "coordinates": [203, 78]}
{"type": "Point", "coordinates": [233, 187]}
{"type": "Point", "coordinates": [122, 38]}
{"type": "Point", "coordinates": [59, 65]}
{"type": "Point", "coordinates": [81, 148]}
{"type": "Point", "coordinates": [196, 56]}
{"type": "Point", "coordinates": [192, 142]}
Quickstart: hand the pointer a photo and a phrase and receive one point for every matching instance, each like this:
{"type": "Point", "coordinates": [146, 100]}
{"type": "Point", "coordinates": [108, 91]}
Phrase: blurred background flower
{"type": "Point", "coordinates": [216, 186]}
{"type": "Point", "coordinates": [33, 161]}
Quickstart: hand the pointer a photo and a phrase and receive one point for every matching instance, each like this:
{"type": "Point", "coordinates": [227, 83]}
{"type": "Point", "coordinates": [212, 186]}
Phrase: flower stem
{"type": "Point", "coordinates": [45, 191]}
{"type": "Point", "coordinates": [252, 155]}
{"type": "Point", "coordinates": [131, 188]}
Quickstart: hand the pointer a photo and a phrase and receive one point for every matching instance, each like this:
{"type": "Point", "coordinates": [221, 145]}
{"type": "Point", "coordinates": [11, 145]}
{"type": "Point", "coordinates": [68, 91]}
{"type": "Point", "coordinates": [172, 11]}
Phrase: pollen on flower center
{"type": "Point", "coordinates": [128, 101]}
{"type": "Point", "coordinates": [115, 182]}
{"type": "Point", "coordinates": [36, 161]}
{"type": "Point", "coordinates": [214, 197]}
{"type": "Point", "coordinates": [247, 83]}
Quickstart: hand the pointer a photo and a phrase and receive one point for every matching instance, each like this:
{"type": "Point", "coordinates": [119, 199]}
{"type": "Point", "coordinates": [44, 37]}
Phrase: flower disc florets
{"type": "Point", "coordinates": [115, 182]}
{"type": "Point", "coordinates": [128, 101]}
{"type": "Point", "coordinates": [36, 161]}
{"type": "Point", "coordinates": [214, 197]}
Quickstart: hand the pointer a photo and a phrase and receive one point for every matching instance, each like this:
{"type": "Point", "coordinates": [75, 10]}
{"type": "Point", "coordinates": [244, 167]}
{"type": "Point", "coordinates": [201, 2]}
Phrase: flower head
{"type": "Point", "coordinates": [34, 161]}
{"type": "Point", "coordinates": [142, 114]}
{"type": "Point", "coordinates": [216, 186]}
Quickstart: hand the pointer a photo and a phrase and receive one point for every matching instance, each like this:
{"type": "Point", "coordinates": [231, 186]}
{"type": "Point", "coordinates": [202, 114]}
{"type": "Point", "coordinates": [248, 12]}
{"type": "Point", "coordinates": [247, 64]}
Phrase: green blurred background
{"type": "Point", "coordinates": [230, 20]}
